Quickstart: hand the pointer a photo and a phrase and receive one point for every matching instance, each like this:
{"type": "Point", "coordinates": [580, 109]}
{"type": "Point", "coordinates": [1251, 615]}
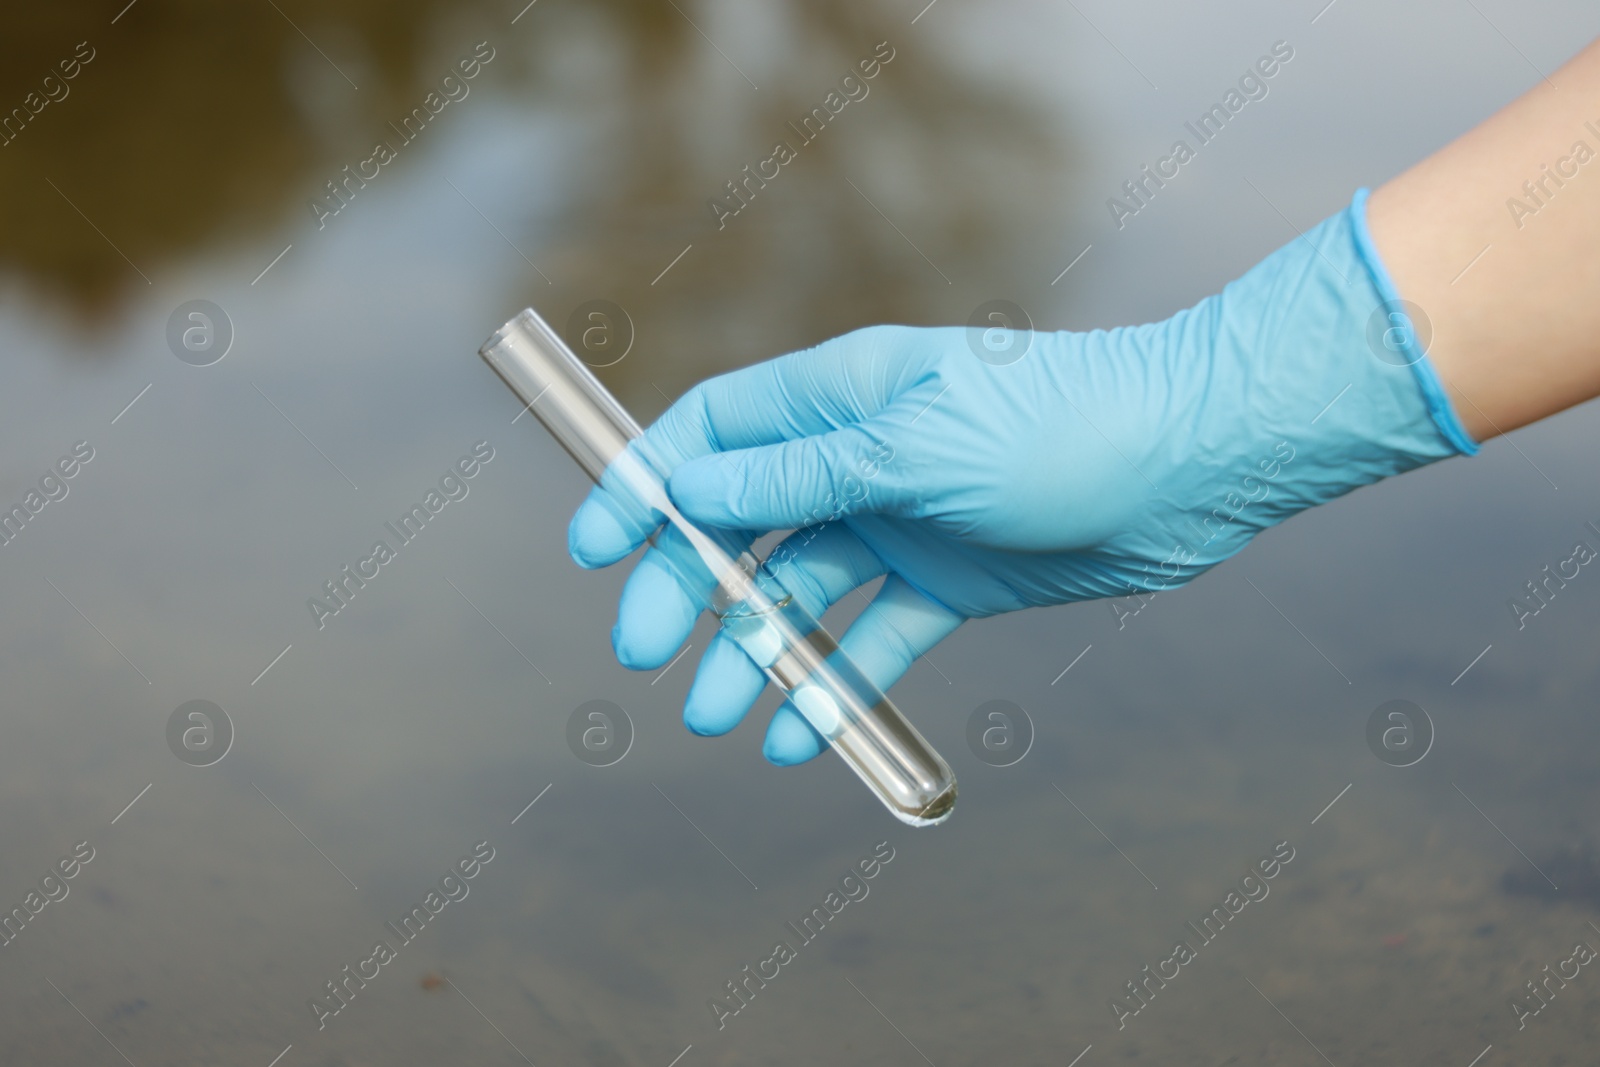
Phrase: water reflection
{"type": "Point", "coordinates": [195, 126]}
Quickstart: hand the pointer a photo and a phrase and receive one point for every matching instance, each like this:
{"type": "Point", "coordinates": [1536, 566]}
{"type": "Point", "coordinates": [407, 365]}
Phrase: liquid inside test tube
{"type": "Point", "coordinates": [797, 655]}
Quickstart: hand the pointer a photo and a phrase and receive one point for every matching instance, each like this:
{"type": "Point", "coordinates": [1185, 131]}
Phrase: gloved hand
{"type": "Point", "coordinates": [1095, 465]}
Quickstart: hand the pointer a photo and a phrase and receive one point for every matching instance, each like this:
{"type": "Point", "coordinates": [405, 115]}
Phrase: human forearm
{"type": "Point", "coordinates": [1512, 294]}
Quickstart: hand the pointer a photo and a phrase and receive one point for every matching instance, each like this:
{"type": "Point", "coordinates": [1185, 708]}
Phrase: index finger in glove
{"type": "Point", "coordinates": [838, 383]}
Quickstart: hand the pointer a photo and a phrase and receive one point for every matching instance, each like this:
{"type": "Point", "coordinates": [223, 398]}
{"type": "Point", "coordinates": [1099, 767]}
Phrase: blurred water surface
{"type": "Point", "coordinates": [180, 163]}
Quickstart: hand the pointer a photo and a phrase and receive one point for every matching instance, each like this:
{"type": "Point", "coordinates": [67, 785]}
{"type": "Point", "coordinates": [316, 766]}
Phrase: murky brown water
{"type": "Point", "coordinates": [369, 756]}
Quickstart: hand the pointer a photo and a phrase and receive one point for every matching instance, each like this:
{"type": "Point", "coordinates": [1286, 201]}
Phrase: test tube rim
{"type": "Point", "coordinates": [534, 323]}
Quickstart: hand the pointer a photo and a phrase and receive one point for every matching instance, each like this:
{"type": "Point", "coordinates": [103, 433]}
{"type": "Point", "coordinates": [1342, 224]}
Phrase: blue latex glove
{"type": "Point", "coordinates": [1097, 465]}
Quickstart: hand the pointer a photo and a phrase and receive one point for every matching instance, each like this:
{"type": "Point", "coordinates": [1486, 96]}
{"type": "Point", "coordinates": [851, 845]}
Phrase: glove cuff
{"type": "Point", "coordinates": [1433, 394]}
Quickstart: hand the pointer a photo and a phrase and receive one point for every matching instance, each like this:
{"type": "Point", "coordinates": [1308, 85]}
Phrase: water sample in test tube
{"type": "Point", "coordinates": [780, 636]}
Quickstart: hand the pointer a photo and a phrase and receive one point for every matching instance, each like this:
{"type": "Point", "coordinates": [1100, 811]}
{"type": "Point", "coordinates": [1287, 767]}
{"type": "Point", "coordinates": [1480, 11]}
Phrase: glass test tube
{"type": "Point", "coordinates": [780, 636]}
